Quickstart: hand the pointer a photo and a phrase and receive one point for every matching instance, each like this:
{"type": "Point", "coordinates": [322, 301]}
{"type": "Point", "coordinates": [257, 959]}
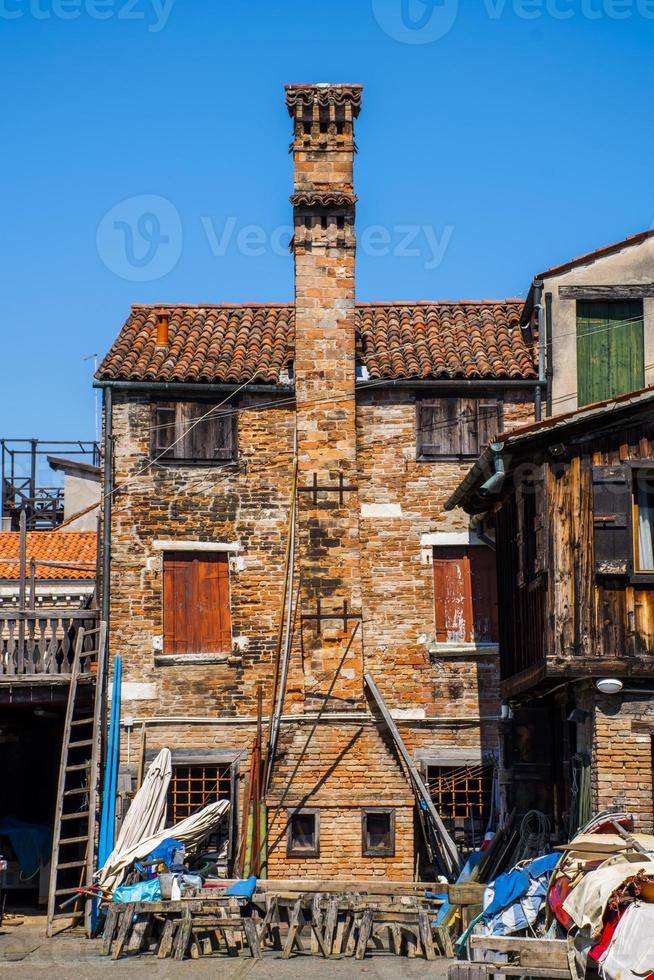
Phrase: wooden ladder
{"type": "Point", "coordinates": [73, 841]}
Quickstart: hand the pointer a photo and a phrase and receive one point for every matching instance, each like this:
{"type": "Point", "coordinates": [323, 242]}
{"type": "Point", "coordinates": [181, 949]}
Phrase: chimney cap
{"type": "Point", "coordinates": [325, 93]}
{"type": "Point", "coordinates": [163, 324]}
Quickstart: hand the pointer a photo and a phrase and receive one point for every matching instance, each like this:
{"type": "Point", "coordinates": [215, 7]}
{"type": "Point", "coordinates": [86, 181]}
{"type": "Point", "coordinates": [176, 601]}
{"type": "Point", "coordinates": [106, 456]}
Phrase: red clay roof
{"type": "Point", "coordinates": [232, 344]}
{"type": "Point", "coordinates": [73, 550]}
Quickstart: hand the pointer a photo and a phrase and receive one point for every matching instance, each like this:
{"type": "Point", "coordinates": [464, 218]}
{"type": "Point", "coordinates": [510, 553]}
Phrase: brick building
{"type": "Point", "coordinates": [208, 412]}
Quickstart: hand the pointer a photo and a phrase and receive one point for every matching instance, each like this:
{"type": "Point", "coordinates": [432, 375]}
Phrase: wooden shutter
{"type": "Point", "coordinates": [163, 428]}
{"type": "Point", "coordinates": [465, 591]}
{"type": "Point", "coordinates": [452, 595]}
{"type": "Point", "coordinates": [439, 431]}
{"type": "Point", "coordinates": [610, 349]}
{"type": "Point", "coordinates": [483, 587]}
{"type": "Point", "coordinates": [612, 519]}
{"type": "Point", "coordinates": [197, 615]}
{"type": "Point", "coordinates": [457, 426]}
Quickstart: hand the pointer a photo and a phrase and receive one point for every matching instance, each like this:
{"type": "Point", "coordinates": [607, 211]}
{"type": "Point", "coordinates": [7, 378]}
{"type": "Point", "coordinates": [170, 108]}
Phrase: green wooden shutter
{"type": "Point", "coordinates": [610, 350]}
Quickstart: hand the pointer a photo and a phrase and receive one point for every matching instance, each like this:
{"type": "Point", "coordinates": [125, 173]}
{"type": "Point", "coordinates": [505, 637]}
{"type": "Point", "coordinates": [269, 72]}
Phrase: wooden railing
{"type": "Point", "coordinates": [42, 641]}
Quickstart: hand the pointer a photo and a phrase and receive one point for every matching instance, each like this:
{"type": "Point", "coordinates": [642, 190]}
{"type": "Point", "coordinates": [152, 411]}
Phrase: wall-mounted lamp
{"type": "Point", "coordinates": [609, 685]}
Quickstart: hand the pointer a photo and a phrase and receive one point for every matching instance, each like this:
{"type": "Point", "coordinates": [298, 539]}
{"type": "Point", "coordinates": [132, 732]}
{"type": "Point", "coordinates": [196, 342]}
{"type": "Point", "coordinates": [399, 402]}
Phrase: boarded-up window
{"type": "Point", "coordinates": [193, 432]}
{"type": "Point", "coordinates": [196, 603]}
{"type": "Point", "coordinates": [456, 427]}
{"type": "Point", "coordinates": [465, 591]}
{"type": "Point", "coordinates": [610, 350]}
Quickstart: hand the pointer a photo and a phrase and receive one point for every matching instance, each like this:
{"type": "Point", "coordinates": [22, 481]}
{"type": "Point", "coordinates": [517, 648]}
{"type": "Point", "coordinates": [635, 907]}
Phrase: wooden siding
{"type": "Point", "coordinates": [578, 617]}
{"type": "Point", "coordinates": [465, 594]}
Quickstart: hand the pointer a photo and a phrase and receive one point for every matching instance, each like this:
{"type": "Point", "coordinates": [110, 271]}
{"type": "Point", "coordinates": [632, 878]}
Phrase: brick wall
{"type": "Point", "coordinates": [622, 756]}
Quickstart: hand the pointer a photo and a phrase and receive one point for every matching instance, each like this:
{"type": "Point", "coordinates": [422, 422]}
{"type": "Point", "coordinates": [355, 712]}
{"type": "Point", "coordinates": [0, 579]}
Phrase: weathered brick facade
{"type": "Point", "coordinates": [364, 547]}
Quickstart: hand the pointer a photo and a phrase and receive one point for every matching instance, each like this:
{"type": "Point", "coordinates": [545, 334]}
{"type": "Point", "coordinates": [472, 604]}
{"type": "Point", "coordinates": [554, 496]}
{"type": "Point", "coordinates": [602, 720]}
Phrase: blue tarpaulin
{"type": "Point", "coordinates": [142, 891]}
{"type": "Point", "coordinates": [244, 888]}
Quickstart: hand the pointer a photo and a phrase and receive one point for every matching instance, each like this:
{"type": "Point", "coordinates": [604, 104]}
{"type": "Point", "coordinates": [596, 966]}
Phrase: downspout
{"type": "Point", "coordinates": [549, 370]}
{"type": "Point", "coordinates": [540, 313]}
{"type": "Point", "coordinates": [106, 561]}
{"type": "Point", "coordinates": [495, 482]}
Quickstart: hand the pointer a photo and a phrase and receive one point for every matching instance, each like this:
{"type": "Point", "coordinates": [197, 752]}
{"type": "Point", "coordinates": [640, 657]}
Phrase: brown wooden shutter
{"type": "Point", "coordinates": [163, 428]}
{"type": "Point", "coordinates": [483, 587]}
{"type": "Point", "coordinates": [439, 432]}
{"type": "Point", "coordinates": [612, 519]}
{"type": "Point", "coordinates": [213, 437]}
{"type": "Point", "coordinates": [490, 422]}
{"type": "Point", "coordinates": [197, 616]}
{"type": "Point", "coordinates": [540, 523]}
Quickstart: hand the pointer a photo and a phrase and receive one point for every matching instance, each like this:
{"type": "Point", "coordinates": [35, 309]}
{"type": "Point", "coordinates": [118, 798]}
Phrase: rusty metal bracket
{"type": "Point", "coordinates": [319, 617]}
{"type": "Point", "coordinates": [340, 488]}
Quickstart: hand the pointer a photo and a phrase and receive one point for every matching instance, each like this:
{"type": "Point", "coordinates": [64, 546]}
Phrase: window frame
{"type": "Point", "coordinates": [291, 849]}
{"type": "Point", "coordinates": [635, 575]}
{"type": "Point", "coordinates": [423, 401]}
{"type": "Point", "coordinates": [155, 451]}
{"type": "Point", "coordinates": [377, 851]}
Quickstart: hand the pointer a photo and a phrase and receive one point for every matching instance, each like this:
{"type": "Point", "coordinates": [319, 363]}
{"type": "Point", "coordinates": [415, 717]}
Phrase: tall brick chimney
{"type": "Point", "coordinates": [324, 249]}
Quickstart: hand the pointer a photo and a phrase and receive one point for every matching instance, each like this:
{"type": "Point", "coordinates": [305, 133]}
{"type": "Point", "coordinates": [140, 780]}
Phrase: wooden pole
{"type": "Point", "coordinates": [32, 584]}
{"type": "Point", "coordinates": [22, 558]}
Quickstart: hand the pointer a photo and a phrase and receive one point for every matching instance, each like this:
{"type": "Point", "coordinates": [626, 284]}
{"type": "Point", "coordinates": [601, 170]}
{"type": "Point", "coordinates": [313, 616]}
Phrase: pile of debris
{"type": "Point", "coordinates": [587, 905]}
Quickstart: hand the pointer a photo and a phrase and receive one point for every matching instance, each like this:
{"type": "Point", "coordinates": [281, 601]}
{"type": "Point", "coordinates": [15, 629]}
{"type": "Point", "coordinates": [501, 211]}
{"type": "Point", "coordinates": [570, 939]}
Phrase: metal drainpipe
{"type": "Point", "coordinates": [106, 515]}
{"type": "Point", "coordinates": [549, 370]}
{"type": "Point", "coordinates": [538, 307]}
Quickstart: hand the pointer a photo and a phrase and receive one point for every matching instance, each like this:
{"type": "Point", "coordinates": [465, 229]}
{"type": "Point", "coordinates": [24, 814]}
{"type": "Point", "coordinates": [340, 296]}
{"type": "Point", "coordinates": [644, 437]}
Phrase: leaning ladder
{"type": "Point", "coordinates": [73, 841]}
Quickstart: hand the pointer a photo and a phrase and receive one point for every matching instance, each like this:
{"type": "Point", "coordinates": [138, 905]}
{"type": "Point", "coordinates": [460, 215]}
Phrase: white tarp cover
{"type": "Point", "coordinates": [190, 831]}
{"type": "Point", "coordinates": [587, 903]}
{"type": "Point", "coordinates": [630, 955]}
{"type": "Point", "coordinates": [147, 814]}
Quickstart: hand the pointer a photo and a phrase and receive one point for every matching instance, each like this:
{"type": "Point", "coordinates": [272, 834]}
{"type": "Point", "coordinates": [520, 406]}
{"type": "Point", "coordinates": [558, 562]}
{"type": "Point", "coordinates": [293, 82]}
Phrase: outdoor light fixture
{"type": "Point", "coordinates": [609, 685]}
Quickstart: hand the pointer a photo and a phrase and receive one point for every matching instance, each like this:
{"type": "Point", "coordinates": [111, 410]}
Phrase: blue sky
{"type": "Point", "coordinates": [502, 136]}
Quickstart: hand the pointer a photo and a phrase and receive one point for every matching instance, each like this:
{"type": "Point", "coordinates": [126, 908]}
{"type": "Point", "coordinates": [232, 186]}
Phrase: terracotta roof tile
{"type": "Point", "coordinates": [74, 549]}
{"type": "Point", "coordinates": [232, 344]}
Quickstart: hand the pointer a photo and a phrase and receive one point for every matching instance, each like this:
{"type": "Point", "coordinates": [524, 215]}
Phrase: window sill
{"type": "Point", "coordinates": [196, 659]}
{"type": "Point", "coordinates": [185, 463]}
{"type": "Point", "coordinates": [440, 650]}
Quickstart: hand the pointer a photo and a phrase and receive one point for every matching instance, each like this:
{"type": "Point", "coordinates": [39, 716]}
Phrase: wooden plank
{"type": "Point", "coordinates": [296, 922]}
{"type": "Point", "coordinates": [609, 292]}
{"type": "Point", "coordinates": [465, 893]}
{"type": "Point", "coordinates": [124, 931]}
{"type": "Point", "coordinates": [252, 938]}
{"type": "Point", "coordinates": [467, 971]}
{"type": "Point", "coordinates": [167, 936]}
{"type": "Point", "coordinates": [426, 936]}
{"type": "Point", "coordinates": [110, 926]}
{"type": "Point", "coordinates": [450, 854]}
{"type": "Point", "coordinates": [183, 937]}
{"type": "Point", "coordinates": [365, 929]}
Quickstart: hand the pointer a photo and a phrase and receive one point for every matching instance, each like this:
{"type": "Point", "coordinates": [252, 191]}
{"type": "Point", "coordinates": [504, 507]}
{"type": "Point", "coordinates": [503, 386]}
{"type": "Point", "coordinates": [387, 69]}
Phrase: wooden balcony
{"type": "Point", "coordinates": [42, 642]}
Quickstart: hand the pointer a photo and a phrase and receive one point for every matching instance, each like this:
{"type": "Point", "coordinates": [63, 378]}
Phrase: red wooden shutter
{"type": "Point", "coordinates": [465, 590]}
{"type": "Point", "coordinates": [484, 594]}
{"type": "Point", "coordinates": [197, 615]}
{"type": "Point", "coordinates": [453, 596]}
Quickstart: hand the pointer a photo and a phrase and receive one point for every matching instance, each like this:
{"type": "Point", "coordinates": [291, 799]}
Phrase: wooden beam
{"type": "Point", "coordinates": [451, 855]}
{"type": "Point", "coordinates": [622, 291]}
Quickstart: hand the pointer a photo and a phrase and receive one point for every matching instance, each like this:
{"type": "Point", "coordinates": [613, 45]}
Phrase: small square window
{"type": "Point", "coordinates": [303, 833]}
{"type": "Point", "coordinates": [378, 833]}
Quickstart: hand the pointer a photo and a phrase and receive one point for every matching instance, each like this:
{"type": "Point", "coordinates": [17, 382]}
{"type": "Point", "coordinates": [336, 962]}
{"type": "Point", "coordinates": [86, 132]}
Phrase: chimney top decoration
{"type": "Point", "coordinates": [323, 115]}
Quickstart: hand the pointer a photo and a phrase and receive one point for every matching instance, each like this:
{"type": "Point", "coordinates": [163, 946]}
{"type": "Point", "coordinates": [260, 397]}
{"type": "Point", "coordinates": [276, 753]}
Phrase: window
{"type": "Point", "coordinates": [193, 787]}
{"type": "Point", "coordinates": [456, 428]}
{"type": "Point", "coordinates": [610, 349]}
{"type": "Point", "coordinates": [303, 833]}
{"type": "Point", "coordinates": [462, 796]}
{"type": "Point", "coordinates": [196, 613]}
{"type": "Point", "coordinates": [178, 435]}
{"type": "Point", "coordinates": [643, 486]}
{"type": "Point", "coordinates": [465, 593]}
{"type": "Point", "coordinates": [378, 833]}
